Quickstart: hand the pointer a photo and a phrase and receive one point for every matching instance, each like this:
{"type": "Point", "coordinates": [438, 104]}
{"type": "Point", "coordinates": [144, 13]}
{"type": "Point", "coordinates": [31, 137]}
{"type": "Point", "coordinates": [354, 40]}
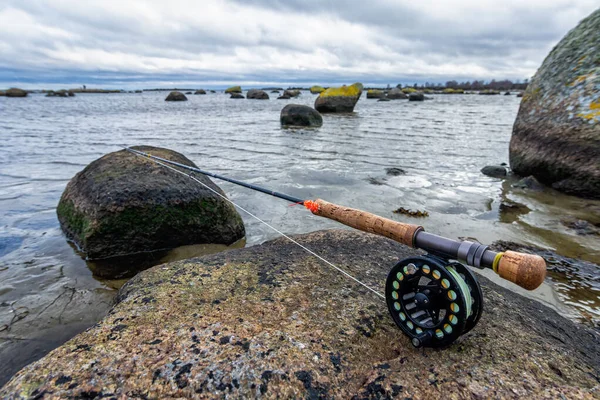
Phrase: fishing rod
{"type": "Point", "coordinates": [433, 298]}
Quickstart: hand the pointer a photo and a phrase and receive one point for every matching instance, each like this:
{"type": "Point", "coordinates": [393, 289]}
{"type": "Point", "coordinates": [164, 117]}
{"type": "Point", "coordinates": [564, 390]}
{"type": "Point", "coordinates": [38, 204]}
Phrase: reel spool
{"type": "Point", "coordinates": [432, 300]}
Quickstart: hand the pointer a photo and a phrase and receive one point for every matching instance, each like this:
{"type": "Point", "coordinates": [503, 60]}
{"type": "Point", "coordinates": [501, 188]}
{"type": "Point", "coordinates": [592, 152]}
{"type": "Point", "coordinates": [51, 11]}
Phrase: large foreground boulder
{"type": "Point", "coordinates": [272, 321]}
{"type": "Point", "coordinates": [300, 115]}
{"type": "Point", "coordinates": [15, 92]}
{"type": "Point", "coordinates": [339, 99]}
{"type": "Point", "coordinates": [556, 136]}
{"type": "Point", "coordinates": [176, 96]}
{"type": "Point", "coordinates": [257, 94]}
{"type": "Point", "coordinates": [123, 203]}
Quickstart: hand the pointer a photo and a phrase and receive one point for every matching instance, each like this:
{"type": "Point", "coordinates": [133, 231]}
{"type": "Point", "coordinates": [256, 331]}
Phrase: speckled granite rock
{"type": "Point", "coordinates": [556, 136]}
{"type": "Point", "coordinates": [272, 321]}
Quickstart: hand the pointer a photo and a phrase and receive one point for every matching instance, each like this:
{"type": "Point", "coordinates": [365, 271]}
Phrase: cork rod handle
{"type": "Point", "coordinates": [526, 270]}
{"type": "Point", "coordinates": [367, 222]}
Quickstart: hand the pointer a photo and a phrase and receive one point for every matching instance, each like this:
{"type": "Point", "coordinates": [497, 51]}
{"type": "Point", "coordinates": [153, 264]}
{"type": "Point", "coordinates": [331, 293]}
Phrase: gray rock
{"type": "Point", "coordinates": [176, 96]}
{"type": "Point", "coordinates": [416, 96]}
{"type": "Point", "coordinates": [15, 92]}
{"type": "Point", "coordinates": [236, 96]}
{"type": "Point", "coordinates": [300, 115]}
{"type": "Point", "coordinates": [396, 94]}
{"type": "Point", "coordinates": [384, 99]}
{"type": "Point", "coordinates": [556, 136]}
{"type": "Point", "coordinates": [122, 204]}
{"type": "Point", "coordinates": [200, 91]}
{"type": "Point", "coordinates": [495, 171]}
{"type": "Point", "coordinates": [257, 94]}
{"type": "Point", "coordinates": [292, 93]}
{"type": "Point", "coordinates": [395, 171]}
{"type": "Point", "coordinates": [529, 183]}
{"type": "Point", "coordinates": [284, 97]}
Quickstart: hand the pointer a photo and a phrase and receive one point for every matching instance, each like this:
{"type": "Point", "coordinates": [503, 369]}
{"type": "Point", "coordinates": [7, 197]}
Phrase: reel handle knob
{"type": "Point", "coordinates": [525, 270]}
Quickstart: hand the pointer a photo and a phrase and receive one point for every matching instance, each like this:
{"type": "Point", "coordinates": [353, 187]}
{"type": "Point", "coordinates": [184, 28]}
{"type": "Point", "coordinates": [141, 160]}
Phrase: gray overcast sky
{"type": "Point", "coordinates": [217, 42]}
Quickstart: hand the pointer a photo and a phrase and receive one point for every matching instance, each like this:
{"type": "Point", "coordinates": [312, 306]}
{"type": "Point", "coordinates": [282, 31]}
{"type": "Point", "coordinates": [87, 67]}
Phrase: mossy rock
{"type": "Point", "coordinates": [15, 92]}
{"type": "Point", "coordinates": [556, 136]}
{"type": "Point", "coordinates": [234, 89]}
{"type": "Point", "coordinates": [375, 94]}
{"type": "Point", "coordinates": [408, 90]}
{"type": "Point", "coordinates": [339, 99]}
{"type": "Point", "coordinates": [123, 203]}
{"type": "Point", "coordinates": [271, 321]}
{"type": "Point", "coordinates": [317, 89]}
{"type": "Point", "coordinates": [453, 91]}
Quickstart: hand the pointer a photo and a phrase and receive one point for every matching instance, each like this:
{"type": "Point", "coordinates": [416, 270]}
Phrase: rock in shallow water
{"type": "Point", "coordinates": [495, 171]}
{"type": "Point", "coordinates": [556, 136]}
{"type": "Point", "coordinates": [339, 99]}
{"type": "Point", "coordinates": [176, 96]}
{"type": "Point", "coordinates": [272, 321]}
{"type": "Point", "coordinates": [300, 115]}
{"type": "Point", "coordinates": [257, 94]}
{"type": "Point", "coordinates": [122, 204]}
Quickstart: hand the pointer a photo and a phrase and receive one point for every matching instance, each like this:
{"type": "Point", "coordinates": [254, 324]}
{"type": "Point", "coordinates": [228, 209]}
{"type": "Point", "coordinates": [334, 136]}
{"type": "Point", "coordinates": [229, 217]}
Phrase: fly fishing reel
{"type": "Point", "coordinates": [432, 300]}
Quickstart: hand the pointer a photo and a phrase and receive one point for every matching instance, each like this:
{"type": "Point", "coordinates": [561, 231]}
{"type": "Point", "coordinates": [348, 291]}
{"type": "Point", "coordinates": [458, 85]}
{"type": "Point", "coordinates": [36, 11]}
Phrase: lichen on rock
{"type": "Point", "coordinates": [339, 99]}
{"type": "Point", "coordinates": [556, 136]}
{"type": "Point", "coordinates": [272, 321]}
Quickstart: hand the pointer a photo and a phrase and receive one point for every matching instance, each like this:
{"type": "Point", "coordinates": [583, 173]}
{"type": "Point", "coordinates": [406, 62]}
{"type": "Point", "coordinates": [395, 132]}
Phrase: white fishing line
{"type": "Point", "coordinates": [260, 220]}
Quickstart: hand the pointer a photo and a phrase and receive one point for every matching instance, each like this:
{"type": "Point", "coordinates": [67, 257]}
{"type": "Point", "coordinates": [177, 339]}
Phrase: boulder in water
{"type": "Point", "coordinates": [236, 96]}
{"type": "Point", "coordinates": [284, 97]}
{"type": "Point", "coordinates": [123, 203]}
{"type": "Point", "coordinates": [396, 94]}
{"type": "Point", "coordinates": [300, 115]}
{"type": "Point", "coordinates": [291, 93]}
{"type": "Point", "coordinates": [495, 171]}
{"type": "Point", "coordinates": [375, 94]}
{"type": "Point", "coordinates": [257, 94]}
{"type": "Point", "coordinates": [15, 92]}
{"type": "Point", "coordinates": [556, 136]}
{"type": "Point", "coordinates": [176, 96]}
{"type": "Point", "coordinates": [272, 321]}
{"type": "Point", "coordinates": [200, 91]}
{"type": "Point", "coordinates": [416, 96]}
{"type": "Point", "coordinates": [316, 89]}
{"type": "Point", "coordinates": [384, 99]}
{"type": "Point", "coordinates": [339, 99]}
{"type": "Point", "coordinates": [234, 89]}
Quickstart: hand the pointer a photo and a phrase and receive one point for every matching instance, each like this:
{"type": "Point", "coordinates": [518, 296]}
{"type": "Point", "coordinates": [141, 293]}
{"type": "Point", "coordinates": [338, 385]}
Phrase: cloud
{"type": "Point", "coordinates": [289, 41]}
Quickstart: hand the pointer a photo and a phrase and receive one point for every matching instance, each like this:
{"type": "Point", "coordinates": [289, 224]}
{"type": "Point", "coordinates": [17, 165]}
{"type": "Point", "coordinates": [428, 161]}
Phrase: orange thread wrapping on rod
{"type": "Point", "coordinates": [312, 206]}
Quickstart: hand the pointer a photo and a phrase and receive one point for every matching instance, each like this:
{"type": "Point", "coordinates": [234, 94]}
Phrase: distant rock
{"type": "Point", "coordinates": [384, 99]}
{"type": "Point", "coordinates": [122, 204]}
{"type": "Point", "coordinates": [507, 93]}
{"type": "Point", "coordinates": [394, 171]}
{"type": "Point", "coordinates": [284, 97]}
{"type": "Point", "coordinates": [234, 89]}
{"type": "Point", "coordinates": [139, 91]}
{"type": "Point", "coordinates": [375, 94]}
{"type": "Point", "coordinates": [292, 93]}
{"type": "Point", "coordinates": [188, 93]}
{"type": "Point", "coordinates": [453, 91]}
{"type": "Point", "coordinates": [520, 94]}
{"type": "Point", "coordinates": [275, 91]}
{"type": "Point", "coordinates": [176, 96]}
{"type": "Point", "coordinates": [489, 92]}
{"type": "Point", "coordinates": [396, 94]}
{"type": "Point", "coordinates": [529, 183]}
{"type": "Point", "coordinates": [15, 92]}
{"type": "Point", "coordinates": [416, 96]}
{"type": "Point", "coordinates": [257, 94]}
{"type": "Point", "coordinates": [495, 171]}
{"type": "Point", "coordinates": [339, 99]}
{"type": "Point", "coordinates": [59, 93]}
{"type": "Point", "coordinates": [200, 91]}
{"type": "Point", "coordinates": [556, 136]}
{"type": "Point", "coordinates": [317, 89]}
{"type": "Point", "coordinates": [300, 115]}
{"type": "Point", "coordinates": [212, 91]}
{"type": "Point", "coordinates": [271, 321]}
{"type": "Point", "coordinates": [236, 96]}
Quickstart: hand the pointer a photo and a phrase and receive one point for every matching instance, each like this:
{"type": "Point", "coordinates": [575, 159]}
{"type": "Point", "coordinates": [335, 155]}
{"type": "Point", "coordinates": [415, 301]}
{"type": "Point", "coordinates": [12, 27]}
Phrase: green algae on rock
{"type": "Point", "coordinates": [317, 89]}
{"type": "Point", "coordinates": [122, 204]}
{"type": "Point", "coordinates": [339, 99]}
{"type": "Point", "coordinates": [375, 94]}
{"type": "Point", "coordinates": [271, 321]}
{"type": "Point", "coordinates": [234, 89]}
{"type": "Point", "coordinates": [556, 136]}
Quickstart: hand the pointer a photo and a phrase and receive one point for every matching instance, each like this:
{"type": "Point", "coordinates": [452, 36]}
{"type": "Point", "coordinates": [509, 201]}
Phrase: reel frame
{"type": "Point", "coordinates": [432, 300]}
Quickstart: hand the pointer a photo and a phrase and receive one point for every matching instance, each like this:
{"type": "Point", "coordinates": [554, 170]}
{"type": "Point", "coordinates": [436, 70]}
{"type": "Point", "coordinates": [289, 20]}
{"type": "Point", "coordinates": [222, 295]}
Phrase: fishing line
{"type": "Point", "coordinates": [261, 221]}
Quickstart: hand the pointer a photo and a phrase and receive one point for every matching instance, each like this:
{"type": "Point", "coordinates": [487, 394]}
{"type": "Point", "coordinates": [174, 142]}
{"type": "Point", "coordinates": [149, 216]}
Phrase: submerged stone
{"type": "Point", "coordinates": [123, 203]}
{"type": "Point", "coordinates": [272, 321]}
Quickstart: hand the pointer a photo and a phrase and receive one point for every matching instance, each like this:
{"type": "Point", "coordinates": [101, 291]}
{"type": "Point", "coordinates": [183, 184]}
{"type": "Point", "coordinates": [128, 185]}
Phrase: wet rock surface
{"type": "Point", "coordinates": [416, 96]}
{"type": "Point", "coordinates": [15, 92]}
{"type": "Point", "coordinates": [123, 203]}
{"type": "Point", "coordinates": [257, 94]}
{"type": "Point", "coordinates": [236, 96]}
{"type": "Point", "coordinates": [176, 96]}
{"type": "Point", "coordinates": [300, 115]}
{"type": "Point", "coordinates": [396, 94]}
{"type": "Point", "coordinates": [556, 136]}
{"type": "Point", "coordinates": [339, 99]}
{"type": "Point", "coordinates": [272, 321]}
{"type": "Point", "coordinates": [495, 171]}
